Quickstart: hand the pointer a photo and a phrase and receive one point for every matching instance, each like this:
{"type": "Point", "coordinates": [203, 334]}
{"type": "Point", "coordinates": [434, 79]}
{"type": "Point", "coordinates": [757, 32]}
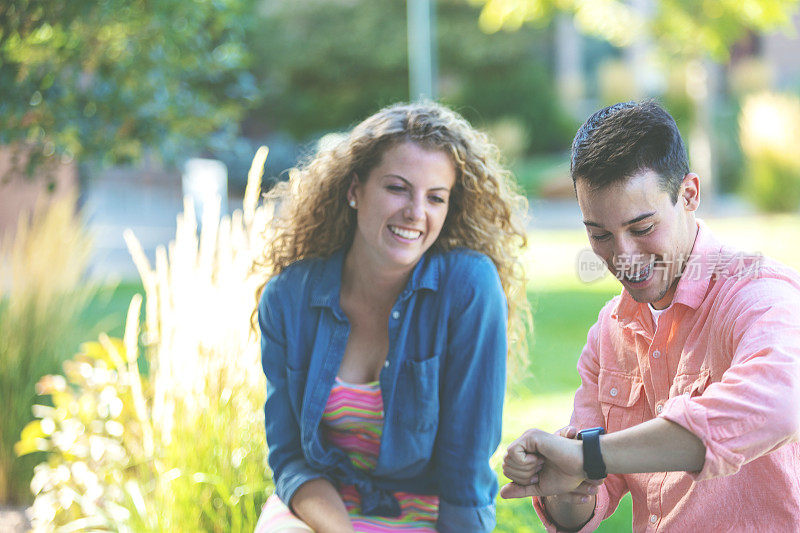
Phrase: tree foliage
{"type": "Point", "coordinates": [685, 27]}
{"type": "Point", "coordinates": [108, 78]}
{"type": "Point", "coordinates": [328, 64]}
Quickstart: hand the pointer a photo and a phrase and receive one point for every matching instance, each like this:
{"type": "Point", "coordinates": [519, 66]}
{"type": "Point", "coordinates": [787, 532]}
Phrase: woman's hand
{"type": "Point", "coordinates": [319, 505]}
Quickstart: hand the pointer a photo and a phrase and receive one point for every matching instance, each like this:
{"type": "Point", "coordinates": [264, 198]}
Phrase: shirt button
{"type": "Point", "coordinates": [386, 364]}
{"type": "Point", "coordinates": [653, 519]}
{"type": "Point", "coordinates": [395, 314]}
{"type": "Point", "coordinates": [613, 391]}
{"type": "Point", "coordinates": [656, 354]}
{"type": "Point", "coordinates": [659, 408]}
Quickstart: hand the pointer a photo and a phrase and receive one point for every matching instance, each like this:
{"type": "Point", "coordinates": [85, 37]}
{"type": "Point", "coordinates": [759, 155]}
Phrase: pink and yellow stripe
{"type": "Point", "coordinates": [353, 421]}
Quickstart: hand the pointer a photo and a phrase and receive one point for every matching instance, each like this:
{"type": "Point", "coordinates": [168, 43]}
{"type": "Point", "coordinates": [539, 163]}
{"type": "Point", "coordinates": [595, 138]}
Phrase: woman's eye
{"type": "Point", "coordinates": [601, 237]}
{"type": "Point", "coordinates": [396, 188]}
{"type": "Point", "coordinates": [437, 199]}
{"type": "Point", "coordinates": [643, 231]}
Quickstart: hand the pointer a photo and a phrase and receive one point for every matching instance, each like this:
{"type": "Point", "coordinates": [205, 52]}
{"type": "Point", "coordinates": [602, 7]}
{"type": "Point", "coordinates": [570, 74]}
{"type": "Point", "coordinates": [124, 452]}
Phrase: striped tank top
{"type": "Point", "coordinates": [353, 421]}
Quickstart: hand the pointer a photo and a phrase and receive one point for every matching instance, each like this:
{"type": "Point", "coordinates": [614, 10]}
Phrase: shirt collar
{"type": "Point", "coordinates": [692, 285]}
{"type": "Point", "coordinates": [328, 283]}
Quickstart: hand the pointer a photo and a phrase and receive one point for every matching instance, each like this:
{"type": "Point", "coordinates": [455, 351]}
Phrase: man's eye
{"type": "Point", "coordinates": [643, 231]}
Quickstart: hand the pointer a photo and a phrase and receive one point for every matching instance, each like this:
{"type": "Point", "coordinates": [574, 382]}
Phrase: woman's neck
{"type": "Point", "coordinates": [364, 281]}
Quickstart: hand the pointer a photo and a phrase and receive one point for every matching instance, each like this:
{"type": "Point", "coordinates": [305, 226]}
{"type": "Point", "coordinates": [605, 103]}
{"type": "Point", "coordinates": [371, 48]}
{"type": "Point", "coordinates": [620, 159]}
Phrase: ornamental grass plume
{"type": "Point", "coordinates": [183, 448]}
{"type": "Point", "coordinates": [42, 295]}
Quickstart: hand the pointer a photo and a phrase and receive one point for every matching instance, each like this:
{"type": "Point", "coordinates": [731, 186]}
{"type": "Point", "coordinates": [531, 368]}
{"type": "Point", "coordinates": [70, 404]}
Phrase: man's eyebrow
{"type": "Point", "coordinates": [634, 220]}
{"type": "Point", "coordinates": [412, 185]}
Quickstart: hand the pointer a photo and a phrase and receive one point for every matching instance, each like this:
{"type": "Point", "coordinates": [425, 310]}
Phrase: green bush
{"type": "Point", "coordinates": [42, 296]}
{"type": "Point", "coordinates": [181, 447]}
{"type": "Point", "coordinates": [769, 129]}
{"type": "Point", "coordinates": [773, 185]}
{"type": "Point", "coordinates": [110, 467]}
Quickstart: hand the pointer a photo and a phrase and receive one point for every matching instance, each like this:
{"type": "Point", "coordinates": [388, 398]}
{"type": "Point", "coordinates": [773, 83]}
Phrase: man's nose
{"type": "Point", "coordinates": [625, 251]}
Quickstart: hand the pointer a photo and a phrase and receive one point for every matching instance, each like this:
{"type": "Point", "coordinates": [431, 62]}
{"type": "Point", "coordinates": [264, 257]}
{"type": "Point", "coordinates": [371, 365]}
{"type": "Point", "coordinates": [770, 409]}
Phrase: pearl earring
{"type": "Point", "coordinates": [353, 204]}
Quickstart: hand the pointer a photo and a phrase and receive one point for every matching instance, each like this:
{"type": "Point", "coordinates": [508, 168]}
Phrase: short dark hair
{"type": "Point", "coordinates": [625, 139]}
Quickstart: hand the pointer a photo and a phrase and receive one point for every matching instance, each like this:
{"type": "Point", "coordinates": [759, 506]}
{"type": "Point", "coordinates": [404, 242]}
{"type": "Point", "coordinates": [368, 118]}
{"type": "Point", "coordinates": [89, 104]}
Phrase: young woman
{"type": "Point", "coordinates": [394, 283]}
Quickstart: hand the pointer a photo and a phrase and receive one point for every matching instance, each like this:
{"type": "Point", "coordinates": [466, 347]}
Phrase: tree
{"type": "Point", "coordinates": [329, 64]}
{"type": "Point", "coordinates": [684, 27]}
{"type": "Point", "coordinates": [692, 31]}
{"type": "Point", "coordinates": [106, 79]}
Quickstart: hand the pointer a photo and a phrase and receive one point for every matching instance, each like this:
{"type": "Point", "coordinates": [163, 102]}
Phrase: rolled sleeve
{"type": "Point", "coordinates": [293, 475]}
{"type": "Point", "coordinates": [602, 504]}
{"type": "Point", "coordinates": [285, 457]}
{"type": "Point", "coordinates": [471, 405]}
{"type": "Point", "coordinates": [457, 518]}
{"type": "Point", "coordinates": [755, 407]}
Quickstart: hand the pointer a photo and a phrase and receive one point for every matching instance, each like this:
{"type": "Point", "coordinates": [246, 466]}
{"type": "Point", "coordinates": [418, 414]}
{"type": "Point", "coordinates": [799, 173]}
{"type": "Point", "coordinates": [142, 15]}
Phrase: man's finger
{"type": "Point", "coordinates": [513, 490]}
{"type": "Point", "coordinates": [520, 476]}
{"type": "Point", "coordinates": [569, 432]}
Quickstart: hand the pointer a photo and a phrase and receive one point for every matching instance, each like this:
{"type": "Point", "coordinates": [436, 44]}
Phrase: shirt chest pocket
{"type": "Point", "coordinates": [621, 399]}
{"type": "Point", "coordinates": [691, 383]}
{"type": "Point", "coordinates": [417, 394]}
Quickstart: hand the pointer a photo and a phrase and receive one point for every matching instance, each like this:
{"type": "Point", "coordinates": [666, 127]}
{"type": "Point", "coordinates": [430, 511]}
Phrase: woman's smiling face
{"type": "Point", "coordinates": [402, 205]}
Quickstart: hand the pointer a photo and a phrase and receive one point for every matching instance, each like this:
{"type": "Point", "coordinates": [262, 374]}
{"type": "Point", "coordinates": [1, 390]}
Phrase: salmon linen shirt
{"type": "Point", "coordinates": [723, 361]}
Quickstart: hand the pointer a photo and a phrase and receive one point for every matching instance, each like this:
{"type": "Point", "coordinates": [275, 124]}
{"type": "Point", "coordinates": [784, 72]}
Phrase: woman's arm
{"type": "Point", "coordinates": [471, 397]}
{"type": "Point", "coordinates": [292, 474]}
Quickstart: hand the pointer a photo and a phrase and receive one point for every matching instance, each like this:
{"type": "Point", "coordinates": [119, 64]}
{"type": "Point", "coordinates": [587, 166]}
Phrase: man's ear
{"type": "Point", "coordinates": [689, 193]}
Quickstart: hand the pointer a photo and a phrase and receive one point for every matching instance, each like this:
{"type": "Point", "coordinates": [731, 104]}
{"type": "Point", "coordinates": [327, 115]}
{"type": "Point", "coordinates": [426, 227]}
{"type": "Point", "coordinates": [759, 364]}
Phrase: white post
{"type": "Point", "coordinates": [205, 181]}
{"type": "Point", "coordinates": [421, 49]}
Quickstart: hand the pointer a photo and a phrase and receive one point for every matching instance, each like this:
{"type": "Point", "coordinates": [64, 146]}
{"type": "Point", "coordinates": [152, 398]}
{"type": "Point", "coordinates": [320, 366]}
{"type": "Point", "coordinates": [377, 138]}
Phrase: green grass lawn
{"type": "Point", "coordinates": [108, 309]}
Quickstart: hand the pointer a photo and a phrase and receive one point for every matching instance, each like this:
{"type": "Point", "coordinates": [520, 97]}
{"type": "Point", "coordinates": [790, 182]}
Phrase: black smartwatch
{"type": "Point", "coordinates": [593, 463]}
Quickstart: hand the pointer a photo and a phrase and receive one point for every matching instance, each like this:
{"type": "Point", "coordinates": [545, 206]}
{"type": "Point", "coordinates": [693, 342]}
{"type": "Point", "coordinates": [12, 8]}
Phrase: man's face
{"type": "Point", "coordinates": [641, 235]}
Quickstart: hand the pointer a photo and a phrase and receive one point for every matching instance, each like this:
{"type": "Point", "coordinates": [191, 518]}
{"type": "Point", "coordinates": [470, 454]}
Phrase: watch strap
{"type": "Point", "coordinates": [593, 463]}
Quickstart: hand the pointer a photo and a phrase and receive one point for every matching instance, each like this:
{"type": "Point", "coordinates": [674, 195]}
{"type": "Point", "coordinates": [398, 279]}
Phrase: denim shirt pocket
{"type": "Point", "coordinates": [621, 399]}
{"type": "Point", "coordinates": [417, 395]}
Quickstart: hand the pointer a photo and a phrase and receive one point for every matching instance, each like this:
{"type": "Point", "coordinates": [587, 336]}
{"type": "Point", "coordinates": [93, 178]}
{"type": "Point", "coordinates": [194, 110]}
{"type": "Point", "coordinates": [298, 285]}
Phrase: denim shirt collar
{"type": "Point", "coordinates": [328, 282]}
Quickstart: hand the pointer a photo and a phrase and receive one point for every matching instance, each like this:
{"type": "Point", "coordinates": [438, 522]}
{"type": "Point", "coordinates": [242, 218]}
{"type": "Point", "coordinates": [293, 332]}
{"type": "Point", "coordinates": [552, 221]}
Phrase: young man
{"type": "Point", "coordinates": [692, 373]}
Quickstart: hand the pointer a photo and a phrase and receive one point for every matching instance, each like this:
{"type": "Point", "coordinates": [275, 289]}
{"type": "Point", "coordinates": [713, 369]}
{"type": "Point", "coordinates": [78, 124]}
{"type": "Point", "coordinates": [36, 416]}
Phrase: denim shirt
{"type": "Point", "coordinates": [442, 384]}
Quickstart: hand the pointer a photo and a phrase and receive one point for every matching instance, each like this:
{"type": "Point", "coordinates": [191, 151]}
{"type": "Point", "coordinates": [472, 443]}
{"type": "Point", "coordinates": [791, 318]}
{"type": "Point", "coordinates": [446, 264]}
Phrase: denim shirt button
{"type": "Point", "coordinates": [395, 314]}
{"type": "Point", "coordinates": [386, 364]}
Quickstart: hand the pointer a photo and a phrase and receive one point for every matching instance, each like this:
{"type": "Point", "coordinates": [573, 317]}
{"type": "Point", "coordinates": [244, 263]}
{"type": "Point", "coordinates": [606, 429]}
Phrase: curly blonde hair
{"type": "Point", "coordinates": [486, 211]}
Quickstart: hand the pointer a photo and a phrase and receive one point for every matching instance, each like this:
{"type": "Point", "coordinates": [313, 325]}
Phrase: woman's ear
{"type": "Point", "coordinates": [352, 192]}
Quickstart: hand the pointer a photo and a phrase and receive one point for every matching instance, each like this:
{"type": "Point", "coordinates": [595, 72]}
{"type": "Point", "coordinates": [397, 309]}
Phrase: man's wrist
{"type": "Point", "coordinates": [593, 464]}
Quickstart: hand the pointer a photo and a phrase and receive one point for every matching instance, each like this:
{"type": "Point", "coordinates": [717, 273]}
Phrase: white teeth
{"type": "Point", "coordinates": [643, 273]}
{"type": "Point", "coordinates": [405, 233]}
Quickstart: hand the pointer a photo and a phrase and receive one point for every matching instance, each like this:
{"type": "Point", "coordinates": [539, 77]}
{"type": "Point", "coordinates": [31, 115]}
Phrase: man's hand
{"type": "Point", "coordinates": [542, 464]}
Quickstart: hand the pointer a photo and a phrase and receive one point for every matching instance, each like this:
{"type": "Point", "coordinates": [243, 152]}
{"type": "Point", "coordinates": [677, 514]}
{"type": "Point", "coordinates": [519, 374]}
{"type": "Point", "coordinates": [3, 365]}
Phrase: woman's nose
{"type": "Point", "coordinates": [414, 209]}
